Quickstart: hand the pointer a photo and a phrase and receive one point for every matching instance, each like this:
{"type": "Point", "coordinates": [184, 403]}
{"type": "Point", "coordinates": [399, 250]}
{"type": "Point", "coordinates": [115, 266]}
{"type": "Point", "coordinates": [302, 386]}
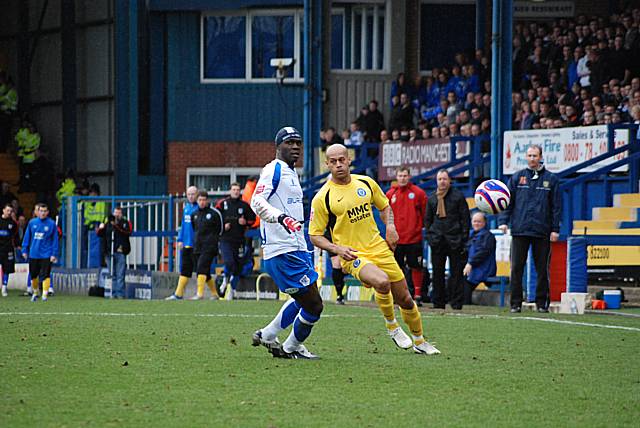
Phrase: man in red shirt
{"type": "Point", "coordinates": [409, 203]}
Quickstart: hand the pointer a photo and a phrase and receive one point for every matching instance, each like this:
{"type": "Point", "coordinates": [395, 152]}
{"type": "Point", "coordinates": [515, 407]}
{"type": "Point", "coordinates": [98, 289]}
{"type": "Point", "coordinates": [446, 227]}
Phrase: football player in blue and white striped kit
{"type": "Point", "coordinates": [278, 202]}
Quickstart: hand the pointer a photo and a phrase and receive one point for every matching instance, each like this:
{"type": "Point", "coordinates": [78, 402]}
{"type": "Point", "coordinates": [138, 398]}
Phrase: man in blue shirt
{"type": "Point", "coordinates": [40, 247]}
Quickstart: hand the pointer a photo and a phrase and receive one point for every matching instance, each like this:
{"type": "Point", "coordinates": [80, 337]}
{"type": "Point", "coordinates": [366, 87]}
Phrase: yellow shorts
{"type": "Point", "coordinates": [383, 260]}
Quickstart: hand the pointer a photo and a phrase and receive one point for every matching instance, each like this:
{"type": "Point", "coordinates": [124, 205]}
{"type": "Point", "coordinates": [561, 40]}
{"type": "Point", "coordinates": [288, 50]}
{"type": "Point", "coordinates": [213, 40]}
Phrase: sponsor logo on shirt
{"type": "Point", "coordinates": [305, 281]}
{"type": "Point", "coordinates": [209, 216]}
{"type": "Point", "coordinates": [291, 290]}
{"type": "Point", "coordinates": [259, 189]}
{"type": "Point", "coordinates": [359, 213]}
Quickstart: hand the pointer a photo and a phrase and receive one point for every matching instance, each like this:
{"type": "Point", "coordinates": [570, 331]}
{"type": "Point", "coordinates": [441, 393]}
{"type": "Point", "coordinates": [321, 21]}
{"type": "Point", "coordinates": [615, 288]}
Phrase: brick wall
{"type": "Point", "coordinates": [183, 155]}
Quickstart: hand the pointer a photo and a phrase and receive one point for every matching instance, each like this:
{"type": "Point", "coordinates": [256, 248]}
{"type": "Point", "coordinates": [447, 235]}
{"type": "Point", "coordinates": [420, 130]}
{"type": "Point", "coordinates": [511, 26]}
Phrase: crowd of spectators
{"type": "Point", "coordinates": [566, 72]}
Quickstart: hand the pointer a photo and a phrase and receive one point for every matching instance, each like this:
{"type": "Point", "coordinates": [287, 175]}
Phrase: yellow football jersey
{"type": "Point", "coordinates": [347, 211]}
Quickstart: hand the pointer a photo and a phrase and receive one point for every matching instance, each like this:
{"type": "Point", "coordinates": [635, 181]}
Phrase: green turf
{"type": "Point", "coordinates": [167, 366]}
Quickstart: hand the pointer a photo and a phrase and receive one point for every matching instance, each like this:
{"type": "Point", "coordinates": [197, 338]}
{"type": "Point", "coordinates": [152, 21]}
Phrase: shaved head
{"type": "Point", "coordinates": [337, 150]}
{"type": "Point", "coordinates": [192, 191]}
{"type": "Point", "coordinates": [338, 163]}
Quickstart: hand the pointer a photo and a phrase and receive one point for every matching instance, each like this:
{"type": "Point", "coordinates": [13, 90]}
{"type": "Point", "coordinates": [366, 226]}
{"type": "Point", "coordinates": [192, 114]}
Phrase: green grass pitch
{"type": "Point", "coordinates": [77, 361]}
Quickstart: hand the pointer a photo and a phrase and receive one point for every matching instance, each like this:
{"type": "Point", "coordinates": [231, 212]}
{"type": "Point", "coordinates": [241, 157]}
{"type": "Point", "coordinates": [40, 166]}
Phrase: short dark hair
{"type": "Point", "coordinates": [403, 169]}
{"type": "Point", "coordinates": [535, 146]}
{"type": "Point", "coordinates": [203, 194]}
{"type": "Point", "coordinates": [42, 205]}
{"type": "Point", "coordinates": [119, 208]}
{"type": "Point", "coordinates": [8, 204]}
{"type": "Point", "coordinates": [235, 183]}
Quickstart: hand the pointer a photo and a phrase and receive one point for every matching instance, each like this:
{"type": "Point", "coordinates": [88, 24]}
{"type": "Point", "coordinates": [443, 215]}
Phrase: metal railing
{"type": "Point", "coordinates": [155, 223]}
{"type": "Point", "coordinates": [569, 185]}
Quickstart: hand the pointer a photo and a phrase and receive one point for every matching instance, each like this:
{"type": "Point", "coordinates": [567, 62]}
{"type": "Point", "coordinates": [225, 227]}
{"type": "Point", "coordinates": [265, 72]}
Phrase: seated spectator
{"type": "Point", "coordinates": [330, 138]}
{"type": "Point", "coordinates": [454, 107]}
{"type": "Point", "coordinates": [472, 79]}
{"type": "Point", "coordinates": [481, 261]}
{"type": "Point", "coordinates": [384, 136]}
{"type": "Point", "coordinates": [355, 135]}
{"type": "Point", "coordinates": [588, 118]}
{"type": "Point", "coordinates": [432, 113]}
{"type": "Point", "coordinates": [413, 135]}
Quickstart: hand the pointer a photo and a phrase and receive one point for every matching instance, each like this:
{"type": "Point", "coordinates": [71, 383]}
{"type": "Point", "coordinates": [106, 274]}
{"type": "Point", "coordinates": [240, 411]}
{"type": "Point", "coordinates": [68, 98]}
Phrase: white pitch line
{"type": "Point", "coordinates": [461, 316]}
{"type": "Point", "coordinates": [133, 314]}
{"type": "Point", "coordinates": [585, 324]}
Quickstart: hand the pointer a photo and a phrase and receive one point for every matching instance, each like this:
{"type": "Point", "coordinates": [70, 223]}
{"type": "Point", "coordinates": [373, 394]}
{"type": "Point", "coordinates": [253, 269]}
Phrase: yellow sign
{"type": "Point", "coordinates": [610, 255]}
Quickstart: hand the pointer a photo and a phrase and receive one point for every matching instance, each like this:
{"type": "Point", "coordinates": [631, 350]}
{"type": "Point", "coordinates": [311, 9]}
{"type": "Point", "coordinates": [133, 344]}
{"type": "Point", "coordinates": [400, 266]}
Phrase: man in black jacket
{"type": "Point", "coordinates": [8, 244]}
{"type": "Point", "coordinates": [208, 227]}
{"type": "Point", "coordinates": [447, 225]}
{"type": "Point", "coordinates": [238, 217]}
{"type": "Point", "coordinates": [534, 214]}
{"type": "Point", "coordinates": [116, 230]}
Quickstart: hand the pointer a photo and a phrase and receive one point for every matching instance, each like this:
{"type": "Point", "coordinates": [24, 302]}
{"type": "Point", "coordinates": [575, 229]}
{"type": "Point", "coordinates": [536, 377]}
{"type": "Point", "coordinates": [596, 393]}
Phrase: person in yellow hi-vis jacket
{"type": "Point", "coordinates": [67, 188]}
{"type": "Point", "coordinates": [28, 141]}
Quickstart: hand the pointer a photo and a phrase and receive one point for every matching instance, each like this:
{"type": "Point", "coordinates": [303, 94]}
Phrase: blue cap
{"type": "Point", "coordinates": [287, 133]}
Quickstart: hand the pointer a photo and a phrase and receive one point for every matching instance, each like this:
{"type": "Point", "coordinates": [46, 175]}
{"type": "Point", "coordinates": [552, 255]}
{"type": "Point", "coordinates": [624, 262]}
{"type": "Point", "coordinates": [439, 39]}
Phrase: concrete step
{"type": "Point", "coordinates": [615, 213]}
{"type": "Point", "coordinates": [631, 200]}
{"type": "Point", "coordinates": [595, 224]}
{"type": "Point", "coordinates": [634, 232]}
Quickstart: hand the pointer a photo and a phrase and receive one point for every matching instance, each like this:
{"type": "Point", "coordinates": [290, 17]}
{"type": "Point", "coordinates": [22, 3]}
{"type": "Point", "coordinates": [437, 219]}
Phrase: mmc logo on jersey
{"type": "Point", "coordinates": [359, 213]}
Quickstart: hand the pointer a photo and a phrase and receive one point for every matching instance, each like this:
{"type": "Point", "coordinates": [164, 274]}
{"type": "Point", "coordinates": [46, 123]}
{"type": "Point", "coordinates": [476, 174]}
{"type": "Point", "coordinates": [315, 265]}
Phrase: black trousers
{"type": "Point", "coordinates": [454, 292]}
{"type": "Point", "coordinates": [410, 255]}
{"type": "Point", "coordinates": [541, 251]}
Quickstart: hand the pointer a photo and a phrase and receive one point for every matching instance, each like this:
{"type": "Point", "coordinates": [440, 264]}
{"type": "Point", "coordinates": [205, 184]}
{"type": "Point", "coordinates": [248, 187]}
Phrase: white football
{"type": "Point", "coordinates": [492, 196]}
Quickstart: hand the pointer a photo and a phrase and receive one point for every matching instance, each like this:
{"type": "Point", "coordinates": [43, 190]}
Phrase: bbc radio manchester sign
{"type": "Point", "coordinates": [419, 156]}
{"type": "Point", "coordinates": [563, 148]}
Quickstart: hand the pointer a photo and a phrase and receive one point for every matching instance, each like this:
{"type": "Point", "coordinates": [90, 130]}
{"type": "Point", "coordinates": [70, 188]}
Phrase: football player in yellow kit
{"type": "Point", "coordinates": [344, 205]}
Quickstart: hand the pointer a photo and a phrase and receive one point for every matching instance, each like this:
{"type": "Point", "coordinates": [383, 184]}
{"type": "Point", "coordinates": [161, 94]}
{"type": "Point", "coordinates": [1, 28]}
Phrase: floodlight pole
{"type": "Point", "coordinates": [312, 81]}
{"type": "Point", "coordinates": [501, 85]}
